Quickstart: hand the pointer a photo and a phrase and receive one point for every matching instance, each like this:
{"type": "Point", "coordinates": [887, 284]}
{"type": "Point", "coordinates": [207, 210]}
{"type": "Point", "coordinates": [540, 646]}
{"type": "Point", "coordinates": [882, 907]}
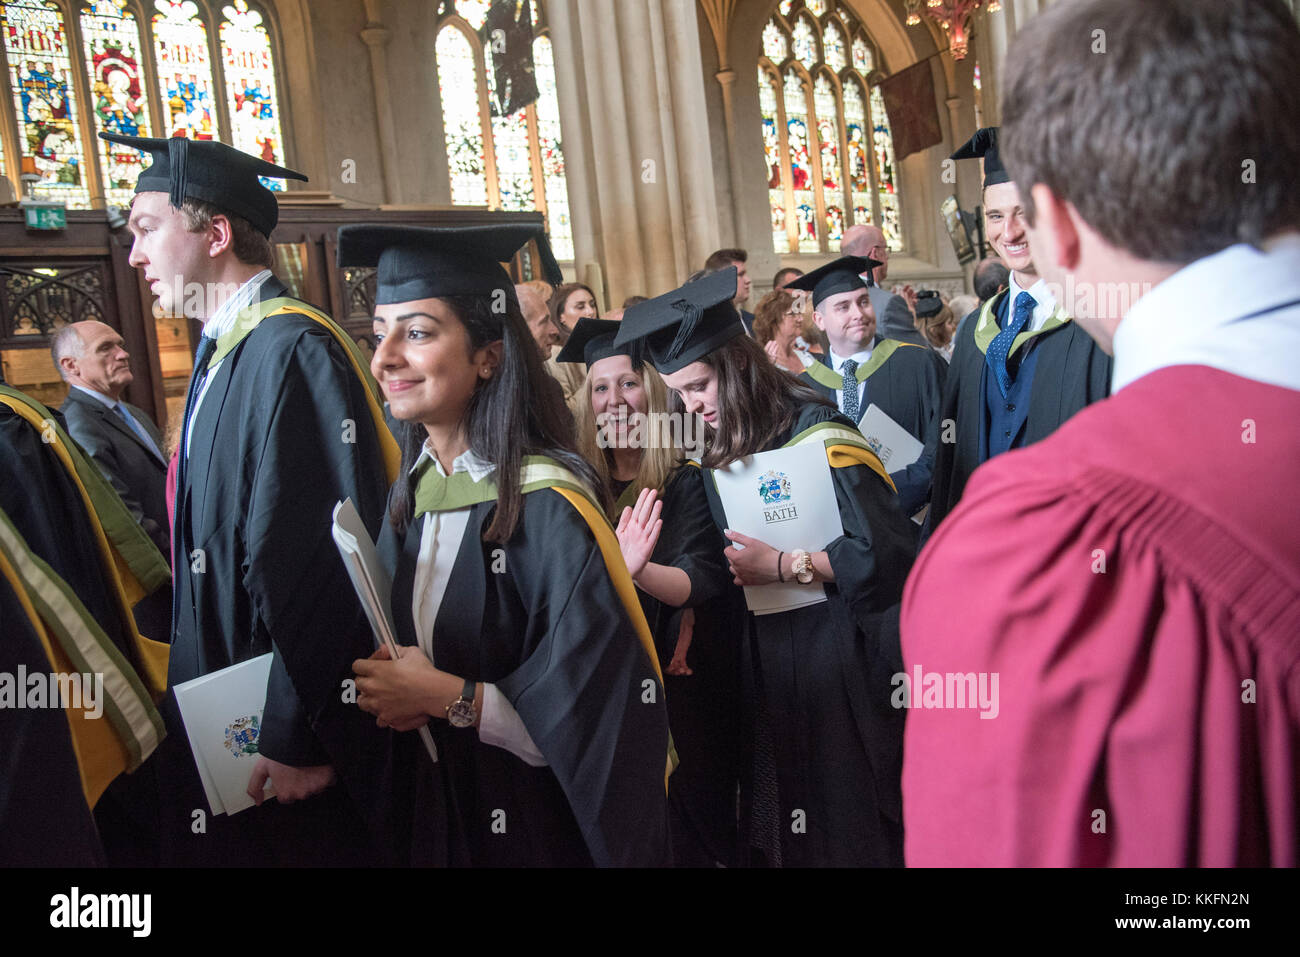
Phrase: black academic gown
{"type": "Point", "coordinates": [822, 777]}
{"type": "Point", "coordinates": [44, 819]}
{"type": "Point", "coordinates": [1071, 372]}
{"type": "Point", "coordinates": [40, 498]}
{"type": "Point", "coordinates": [539, 618]}
{"type": "Point", "coordinates": [704, 706]}
{"type": "Point", "coordinates": [908, 387]}
{"type": "Point", "coordinates": [282, 435]}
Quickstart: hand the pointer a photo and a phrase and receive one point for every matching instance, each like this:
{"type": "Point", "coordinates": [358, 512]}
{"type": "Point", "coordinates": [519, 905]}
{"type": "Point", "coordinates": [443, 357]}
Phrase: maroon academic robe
{"type": "Point", "coordinates": [1134, 581]}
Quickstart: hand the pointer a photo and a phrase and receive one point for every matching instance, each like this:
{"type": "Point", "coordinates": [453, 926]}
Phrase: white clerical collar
{"type": "Point", "coordinates": [837, 361]}
{"type": "Point", "coordinates": [106, 400]}
{"type": "Point", "coordinates": [467, 461]}
{"type": "Point", "coordinates": [223, 319]}
{"type": "Point", "coordinates": [1237, 310]}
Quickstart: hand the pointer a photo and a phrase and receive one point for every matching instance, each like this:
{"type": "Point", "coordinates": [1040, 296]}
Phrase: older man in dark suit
{"type": "Point", "coordinates": [120, 438]}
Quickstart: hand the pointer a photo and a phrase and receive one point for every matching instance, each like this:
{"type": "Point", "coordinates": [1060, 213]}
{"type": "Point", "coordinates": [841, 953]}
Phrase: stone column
{"type": "Point", "coordinates": [375, 37]}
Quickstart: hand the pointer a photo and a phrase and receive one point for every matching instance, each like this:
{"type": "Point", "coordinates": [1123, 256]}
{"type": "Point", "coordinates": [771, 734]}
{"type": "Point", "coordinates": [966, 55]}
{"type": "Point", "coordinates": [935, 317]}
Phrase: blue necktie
{"type": "Point", "coordinates": [849, 369]}
{"type": "Point", "coordinates": [137, 428]}
{"type": "Point", "coordinates": [1001, 347]}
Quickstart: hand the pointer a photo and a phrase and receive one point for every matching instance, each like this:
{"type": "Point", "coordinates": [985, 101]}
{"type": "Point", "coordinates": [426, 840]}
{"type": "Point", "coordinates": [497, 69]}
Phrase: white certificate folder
{"type": "Point", "coordinates": [222, 712]}
{"type": "Point", "coordinates": [786, 499]}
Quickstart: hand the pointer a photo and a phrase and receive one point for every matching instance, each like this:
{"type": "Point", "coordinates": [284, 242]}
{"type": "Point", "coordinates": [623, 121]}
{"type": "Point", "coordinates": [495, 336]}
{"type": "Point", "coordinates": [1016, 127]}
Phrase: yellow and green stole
{"type": "Point", "coordinates": [824, 375]}
{"type": "Point", "coordinates": [845, 446]}
{"type": "Point", "coordinates": [251, 317]}
{"type": "Point", "coordinates": [75, 644]}
{"type": "Point", "coordinates": [986, 327]}
{"type": "Point", "coordinates": [437, 493]}
{"type": "Point", "coordinates": [133, 566]}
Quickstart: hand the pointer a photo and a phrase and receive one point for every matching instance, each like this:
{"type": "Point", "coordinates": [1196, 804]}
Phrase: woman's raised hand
{"type": "Point", "coordinates": [638, 530]}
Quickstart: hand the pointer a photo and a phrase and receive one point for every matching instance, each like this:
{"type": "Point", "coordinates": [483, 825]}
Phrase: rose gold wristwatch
{"type": "Point", "coordinates": [801, 566]}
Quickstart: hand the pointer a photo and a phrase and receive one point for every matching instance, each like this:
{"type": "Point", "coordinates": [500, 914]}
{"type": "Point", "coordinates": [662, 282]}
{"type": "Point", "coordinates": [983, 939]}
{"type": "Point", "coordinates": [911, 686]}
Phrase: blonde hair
{"type": "Point", "coordinates": [662, 451]}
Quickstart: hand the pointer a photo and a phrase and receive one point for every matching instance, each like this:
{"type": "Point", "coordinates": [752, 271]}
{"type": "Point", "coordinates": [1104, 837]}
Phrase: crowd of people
{"type": "Point", "coordinates": [1062, 633]}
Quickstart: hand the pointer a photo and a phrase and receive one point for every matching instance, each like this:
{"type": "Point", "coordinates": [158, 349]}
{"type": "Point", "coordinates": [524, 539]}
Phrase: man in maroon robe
{"type": "Point", "coordinates": [1125, 595]}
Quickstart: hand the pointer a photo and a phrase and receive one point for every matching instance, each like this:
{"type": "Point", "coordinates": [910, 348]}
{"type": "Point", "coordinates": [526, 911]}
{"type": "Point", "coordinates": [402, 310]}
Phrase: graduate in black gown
{"type": "Point", "coordinates": [1020, 367]}
{"type": "Point", "coordinates": [674, 553]}
{"type": "Point", "coordinates": [62, 522]}
{"type": "Point", "coordinates": [281, 422]}
{"type": "Point", "coordinates": [821, 779]}
{"type": "Point", "coordinates": [529, 659]}
{"type": "Point", "coordinates": [903, 380]}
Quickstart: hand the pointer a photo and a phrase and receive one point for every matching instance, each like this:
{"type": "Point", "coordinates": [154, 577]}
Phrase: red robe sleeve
{"type": "Point", "coordinates": [1148, 706]}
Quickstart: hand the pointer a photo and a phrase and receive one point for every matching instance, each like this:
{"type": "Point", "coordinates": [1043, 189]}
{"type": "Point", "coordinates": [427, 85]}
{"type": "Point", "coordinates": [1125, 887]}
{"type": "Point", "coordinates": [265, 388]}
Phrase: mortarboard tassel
{"type": "Point", "coordinates": [691, 315]}
{"type": "Point", "coordinates": [178, 151]}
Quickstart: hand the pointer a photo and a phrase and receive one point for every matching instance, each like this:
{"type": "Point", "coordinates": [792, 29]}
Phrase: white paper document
{"type": "Point", "coordinates": [222, 712]}
{"type": "Point", "coordinates": [894, 445]}
{"type": "Point", "coordinates": [784, 498]}
{"type": "Point", "coordinates": [373, 585]}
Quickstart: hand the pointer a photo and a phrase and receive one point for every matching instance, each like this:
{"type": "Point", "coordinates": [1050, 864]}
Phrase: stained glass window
{"type": "Point", "coordinates": [859, 163]}
{"type": "Point", "coordinates": [514, 159]}
{"type": "Point", "coordinates": [118, 98]}
{"type": "Point", "coordinates": [828, 145]}
{"type": "Point", "coordinates": [548, 141]}
{"type": "Point", "coordinates": [107, 47]}
{"type": "Point", "coordinates": [834, 45]}
{"type": "Point", "coordinates": [885, 176]}
{"type": "Point", "coordinates": [250, 86]}
{"type": "Point", "coordinates": [768, 106]}
{"type": "Point", "coordinates": [862, 56]}
{"type": "Point", "coordinates": [805, 42]}
{"type": "Point", "coordinates": [462, 124]}
{"type": "Point", "coordinates": [828, 136]}
{"type": "Point", "coordinates": [774, 45]}
{"type": "Point", "coordinates": [41, 77]}
{"type": "Point", "coordinates": [184, 71]}
{"type": "Point", "coordinates": [474, 11]}
{"type": "Point", "coordinates": [801, 169]}
{"type": "Point", "coordinates": [525, 166]}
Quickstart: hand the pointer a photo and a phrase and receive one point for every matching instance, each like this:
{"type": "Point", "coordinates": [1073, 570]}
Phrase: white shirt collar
{"type": "Point", "coordinates": [1045, 302]}
{"type": "Point", "coordinates": [224, 318]}
{"type": "Point", "coordinates": [106, 400]}
{"type": "Point", "coordinates": [837, 361]}
{"type": "Point", "coordinates": [1220, 312]}
{"type": "Point", "coordinates": [467, 461]}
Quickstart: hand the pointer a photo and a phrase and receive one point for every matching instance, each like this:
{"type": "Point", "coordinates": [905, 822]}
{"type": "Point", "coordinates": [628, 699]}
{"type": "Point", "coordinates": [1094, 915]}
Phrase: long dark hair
{"type": "Point", "coordinates": [519, 411]}
{"type": "Point", "coordinates": [757, 402]}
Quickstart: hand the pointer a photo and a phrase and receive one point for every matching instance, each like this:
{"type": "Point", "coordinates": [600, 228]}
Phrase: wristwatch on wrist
{"type": "Point", "coordinates": [801, 566]}
{"type": "Point", "coordinates": [460, 713]}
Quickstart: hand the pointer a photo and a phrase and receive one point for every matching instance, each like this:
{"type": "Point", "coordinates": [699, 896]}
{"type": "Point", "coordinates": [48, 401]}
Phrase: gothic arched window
{"type": "Point", "coordinates": [199, 68]}
{"type": "Point", "coordinates": [826, 136]}
{"type": "Point", "coordinates": [513, 161]}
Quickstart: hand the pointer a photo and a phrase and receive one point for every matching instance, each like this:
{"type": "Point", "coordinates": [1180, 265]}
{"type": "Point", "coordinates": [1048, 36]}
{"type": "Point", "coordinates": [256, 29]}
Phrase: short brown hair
{"type": "Point", "coordinates": [724, 258]}
{"type": "Point", "coordinates": [1148, 116]}
{"type": "Point", "coordinates": [769, 312]}
{"type": "Point", "coordinates": [250, 247]}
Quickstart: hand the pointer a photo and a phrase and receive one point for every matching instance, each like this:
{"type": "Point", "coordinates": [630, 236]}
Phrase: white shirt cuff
{"type": "Point", "coordinates": [500, 726]}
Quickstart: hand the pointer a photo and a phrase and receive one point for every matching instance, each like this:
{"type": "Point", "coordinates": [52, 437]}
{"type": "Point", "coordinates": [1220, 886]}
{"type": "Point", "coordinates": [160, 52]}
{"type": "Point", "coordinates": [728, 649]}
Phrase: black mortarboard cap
{"type": "Point", "coordinates": [985, 143]}
{"type": "Point", "coordinates": [842, 275]}
{"type": "Point", "coordinates": [685, 325]}
{"type": "Point", "coordinates": [592, 340]}
{"type": "Point", "coordinates": [210, 171]}
{"type": "Point", "coordinates": [430, 262]}
{"type": "Point", "coordinates": [928, 303]}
